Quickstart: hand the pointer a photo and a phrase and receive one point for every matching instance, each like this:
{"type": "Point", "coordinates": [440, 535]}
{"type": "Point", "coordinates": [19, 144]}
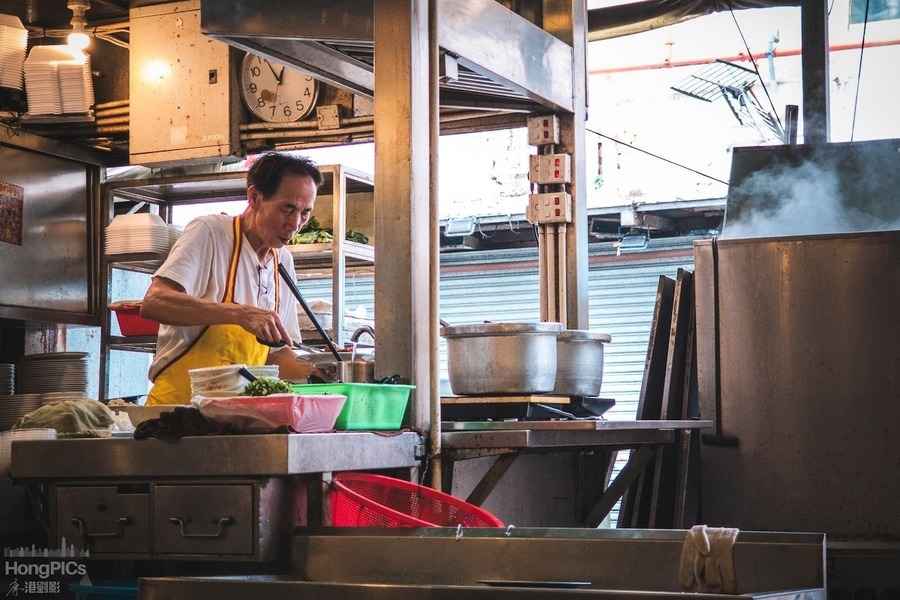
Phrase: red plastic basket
{"type": "Point", "coordinates": [362, 500]}
{"type": "Point", "coordinates": [132, 323]}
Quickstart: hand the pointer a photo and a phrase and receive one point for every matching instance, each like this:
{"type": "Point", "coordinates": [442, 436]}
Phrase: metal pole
{"type": "Point", "coordinates": [402, 237]}
{"type": "Point", "coordinates": [338, 259]}
{"type": "Point", "coordinates": [567, 20]}
{"type": "Point", "coordinates": [434, 122]}
{"type": "Point", "coordinates": [814, 25]}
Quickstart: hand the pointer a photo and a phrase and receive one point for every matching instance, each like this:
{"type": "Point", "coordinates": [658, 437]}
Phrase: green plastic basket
{"type": "Point", "coordinates": [369, 405]}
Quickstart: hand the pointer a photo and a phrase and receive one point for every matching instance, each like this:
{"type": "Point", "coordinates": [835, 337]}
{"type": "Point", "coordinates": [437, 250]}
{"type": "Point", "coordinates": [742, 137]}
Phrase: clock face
{"type": "Point", "coordinates": [274, 92]}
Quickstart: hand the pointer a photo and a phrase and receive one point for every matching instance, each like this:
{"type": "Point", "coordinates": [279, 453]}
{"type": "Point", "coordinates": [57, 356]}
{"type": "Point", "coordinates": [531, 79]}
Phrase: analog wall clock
{"type": "Point", "coordinates": [274, 92]}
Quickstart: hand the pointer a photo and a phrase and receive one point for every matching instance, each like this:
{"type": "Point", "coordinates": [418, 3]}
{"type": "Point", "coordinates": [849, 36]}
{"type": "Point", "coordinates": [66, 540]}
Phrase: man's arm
{"type": "Point", "coordinates": [167, 302]}
{"type": "Point", "coordinates": [290, 366]}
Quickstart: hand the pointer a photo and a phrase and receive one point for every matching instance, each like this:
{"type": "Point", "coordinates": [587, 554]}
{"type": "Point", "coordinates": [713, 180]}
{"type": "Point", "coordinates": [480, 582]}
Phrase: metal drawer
{"type": "Point", "coordinates": [203, 519]}
{"type": "Point", "coordinates": [103, 519]}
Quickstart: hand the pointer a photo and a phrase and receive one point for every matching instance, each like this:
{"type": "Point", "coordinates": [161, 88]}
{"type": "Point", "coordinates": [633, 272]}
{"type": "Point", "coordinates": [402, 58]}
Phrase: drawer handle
{"type": "Point", "coordinates": [223, 522]}
{"type": "Point", "coordinates": [87, 536]}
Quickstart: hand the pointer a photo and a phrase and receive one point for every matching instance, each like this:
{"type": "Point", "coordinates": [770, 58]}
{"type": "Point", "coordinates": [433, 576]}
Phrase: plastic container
{"type": "Point", "coordinates": [226, 381]}
{"type": "Point", "coordinates": [369, 406]}
{"type": "Point", "coordinates": [363, 500]}
{"type": "Point", "coordinates": [131, 322]}
{"type": "Point", "coordinates": [261, 414]}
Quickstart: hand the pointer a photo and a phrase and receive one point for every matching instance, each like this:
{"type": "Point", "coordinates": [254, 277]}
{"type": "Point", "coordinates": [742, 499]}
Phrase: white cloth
{"type": "Point", "coordinates": [707, 560]}
{"type": "Point", "coordinates": [199, 263]}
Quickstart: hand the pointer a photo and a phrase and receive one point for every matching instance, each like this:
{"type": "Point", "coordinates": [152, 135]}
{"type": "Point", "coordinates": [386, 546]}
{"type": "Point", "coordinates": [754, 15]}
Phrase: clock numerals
{"type": "Point", "coordinates": [275, 94]}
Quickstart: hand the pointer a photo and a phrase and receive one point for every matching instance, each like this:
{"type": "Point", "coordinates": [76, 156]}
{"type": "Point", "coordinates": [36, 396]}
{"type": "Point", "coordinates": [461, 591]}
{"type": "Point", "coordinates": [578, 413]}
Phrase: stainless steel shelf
{"type": "Point", "coordinates": [319, 256]}
{"type": "Point", "coordinates": [139, 343]}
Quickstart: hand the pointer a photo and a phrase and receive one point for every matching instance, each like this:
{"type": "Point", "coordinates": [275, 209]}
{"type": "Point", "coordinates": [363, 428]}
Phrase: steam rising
{"type": "Point", "coordinates": [818, 196]}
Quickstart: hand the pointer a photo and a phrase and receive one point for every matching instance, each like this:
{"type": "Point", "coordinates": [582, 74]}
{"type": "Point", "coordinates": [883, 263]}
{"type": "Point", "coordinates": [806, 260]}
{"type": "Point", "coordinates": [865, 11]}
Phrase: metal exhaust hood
{"type": "Point", "coordinates": [504, 61]}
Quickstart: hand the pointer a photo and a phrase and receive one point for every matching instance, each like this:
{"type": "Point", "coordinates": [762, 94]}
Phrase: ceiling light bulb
{"type": "Point", "coordinates": [79, 40]}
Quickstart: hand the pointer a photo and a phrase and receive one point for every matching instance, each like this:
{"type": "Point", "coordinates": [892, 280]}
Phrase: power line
{"type": "Point", "coordinates": [755, 68]}
{"type": "Point", "coordinates": [862, 50]}
{"type": "Point", "coordinates": [657, 156]}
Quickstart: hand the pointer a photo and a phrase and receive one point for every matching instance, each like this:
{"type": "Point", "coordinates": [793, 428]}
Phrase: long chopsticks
{"type": "Point", "coordinates": [289, 279]}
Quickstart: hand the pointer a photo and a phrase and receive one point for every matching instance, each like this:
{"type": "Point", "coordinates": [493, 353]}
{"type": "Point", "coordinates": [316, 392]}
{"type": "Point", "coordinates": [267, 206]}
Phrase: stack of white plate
{"type": "Point", "coordinates": [13, 408]}
{"type": "Point", "coordinates": [58, 81]}
{"type": "Point", "coordinates": [141, 232]}
{"type": "Point", "coordinates": [7, 379]}
{"type": "Point", "coordinates": [13, 41]}
{"type": "Point", "coordinates": [53, 372]}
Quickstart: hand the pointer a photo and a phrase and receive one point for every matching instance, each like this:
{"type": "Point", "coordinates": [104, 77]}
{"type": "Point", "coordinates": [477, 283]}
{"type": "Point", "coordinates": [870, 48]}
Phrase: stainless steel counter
{"type": "Point", "coordinates": [214, 456]}
{"type": "Point", "coordinates": [279, 588]}
{"type": "Point", "coordinates": [633, 564]}
{"type": "Point", "coordinates": [563, 434]}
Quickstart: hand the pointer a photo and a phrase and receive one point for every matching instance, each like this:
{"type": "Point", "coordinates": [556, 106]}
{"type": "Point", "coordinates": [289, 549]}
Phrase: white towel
{"type": "Point", "coordinates": [707, 560]}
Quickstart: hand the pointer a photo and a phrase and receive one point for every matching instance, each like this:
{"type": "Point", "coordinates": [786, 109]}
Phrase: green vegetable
{"type": "Point", "coordinates": [313, 233]}
{"type": "Point", "coordinates": [265, 386]}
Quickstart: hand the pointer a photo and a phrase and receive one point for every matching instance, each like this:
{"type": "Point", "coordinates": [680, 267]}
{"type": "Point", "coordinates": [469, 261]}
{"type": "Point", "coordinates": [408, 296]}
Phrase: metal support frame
{"type": "Point", "coordinates": [491, 479]}
{"type": "Point", "coordinates": [338, 260]}
{"type": "Point", "coordinates": [503, 58]}
{"type": "Point", "coordinates": [402, 248]}
{"type": "Point", "coordinates": [564, 248]}
{"type": "Point", "coordinates": [816, 80]}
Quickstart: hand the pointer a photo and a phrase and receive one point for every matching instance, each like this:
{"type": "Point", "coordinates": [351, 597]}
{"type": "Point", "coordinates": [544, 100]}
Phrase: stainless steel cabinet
{"type": "Point", "coordinates": [203, 519]}
{"type": "Point", "coordinates": [104, 519]}
{"type": "Point", "coordinates": [245, 520]}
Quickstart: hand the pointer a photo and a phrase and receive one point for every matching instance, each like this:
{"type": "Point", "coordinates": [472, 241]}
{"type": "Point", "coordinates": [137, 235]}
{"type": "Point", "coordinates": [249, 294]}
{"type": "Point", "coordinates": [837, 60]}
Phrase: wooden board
{"type": "Point", "coordinates": [532, 399]}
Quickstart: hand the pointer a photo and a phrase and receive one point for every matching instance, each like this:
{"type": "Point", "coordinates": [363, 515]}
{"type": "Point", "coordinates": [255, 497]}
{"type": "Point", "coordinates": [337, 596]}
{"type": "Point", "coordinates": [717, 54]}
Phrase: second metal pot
{"type": "Point", "coordinates": [579, 360]}
{"type": "Point", "coordinates": [502, 358]}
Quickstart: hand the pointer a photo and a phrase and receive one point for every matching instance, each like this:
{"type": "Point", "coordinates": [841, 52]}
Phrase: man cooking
{"type": "Point", "coordinates": [219, 294]}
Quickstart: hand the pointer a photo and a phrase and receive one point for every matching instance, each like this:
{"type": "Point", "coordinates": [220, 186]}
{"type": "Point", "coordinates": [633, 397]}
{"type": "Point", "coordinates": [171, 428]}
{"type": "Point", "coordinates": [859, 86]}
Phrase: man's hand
{"type": "Point", "coordinates": [264, 324]}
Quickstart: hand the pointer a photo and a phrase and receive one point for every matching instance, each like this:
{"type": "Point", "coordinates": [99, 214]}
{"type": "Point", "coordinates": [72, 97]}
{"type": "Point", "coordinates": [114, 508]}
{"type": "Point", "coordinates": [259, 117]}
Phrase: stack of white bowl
{"type": "Point", "coordinates": [223, 382]}
{"type": "Point", "coordinates": [8, 437]}
{"type": "Point", "coordinates": [76, 86]}
{"type": "Point", "coordinates": [13, 41]}
{"type": "Point", "coordinates": [137, 233]}
{"type": "Point", "coordinates": [7, 379]}
{"type": "Point", "coordinates": [56, 81]}
{"type": "Point", "coordinates": [53, 372]}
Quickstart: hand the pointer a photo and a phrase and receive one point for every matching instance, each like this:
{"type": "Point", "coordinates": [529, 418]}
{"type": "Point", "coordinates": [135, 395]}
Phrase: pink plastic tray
{"type": "Point", "coordinates": [303, 414]}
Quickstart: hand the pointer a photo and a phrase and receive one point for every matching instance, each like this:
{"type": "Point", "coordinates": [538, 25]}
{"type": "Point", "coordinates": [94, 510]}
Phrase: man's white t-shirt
{"type": "Point", "coordinates": [199, 263]}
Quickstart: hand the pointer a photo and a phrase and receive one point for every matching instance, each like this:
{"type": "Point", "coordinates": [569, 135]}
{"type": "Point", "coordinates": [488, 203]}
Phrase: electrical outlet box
{"type": "Point", "coordinates": [543, 130]}
{"type": "Point", "coordinates": [328, 117]}
{"type": "Point", "coordinates": [555, 207]}
{"type": "Point", "coordinates": [550, 168]}
{"type": "Point", "coordinates": [183, 88]}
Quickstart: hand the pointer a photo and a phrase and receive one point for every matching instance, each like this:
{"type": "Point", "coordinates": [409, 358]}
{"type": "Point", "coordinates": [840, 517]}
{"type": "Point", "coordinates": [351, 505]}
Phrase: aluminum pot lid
{"type": "Point", "coordinates": [583, 335]}
{"type": "Point", "coordinates": [498, 329]}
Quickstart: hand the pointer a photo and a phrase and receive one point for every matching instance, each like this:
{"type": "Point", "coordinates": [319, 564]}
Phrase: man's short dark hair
{"type": "Point", "coordinates": [268, 171]}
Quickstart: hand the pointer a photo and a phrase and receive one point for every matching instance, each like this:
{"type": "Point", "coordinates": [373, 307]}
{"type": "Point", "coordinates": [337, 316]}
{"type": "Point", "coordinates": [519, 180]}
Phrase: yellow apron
{"type": "Point", "coordinates": [217, 345]}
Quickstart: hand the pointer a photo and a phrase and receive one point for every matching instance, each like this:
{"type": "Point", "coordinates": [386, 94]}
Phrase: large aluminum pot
{"type": "Point", "coordinates": [579, 362]}
{"type": "Point", "coordinates": [502, 358]}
